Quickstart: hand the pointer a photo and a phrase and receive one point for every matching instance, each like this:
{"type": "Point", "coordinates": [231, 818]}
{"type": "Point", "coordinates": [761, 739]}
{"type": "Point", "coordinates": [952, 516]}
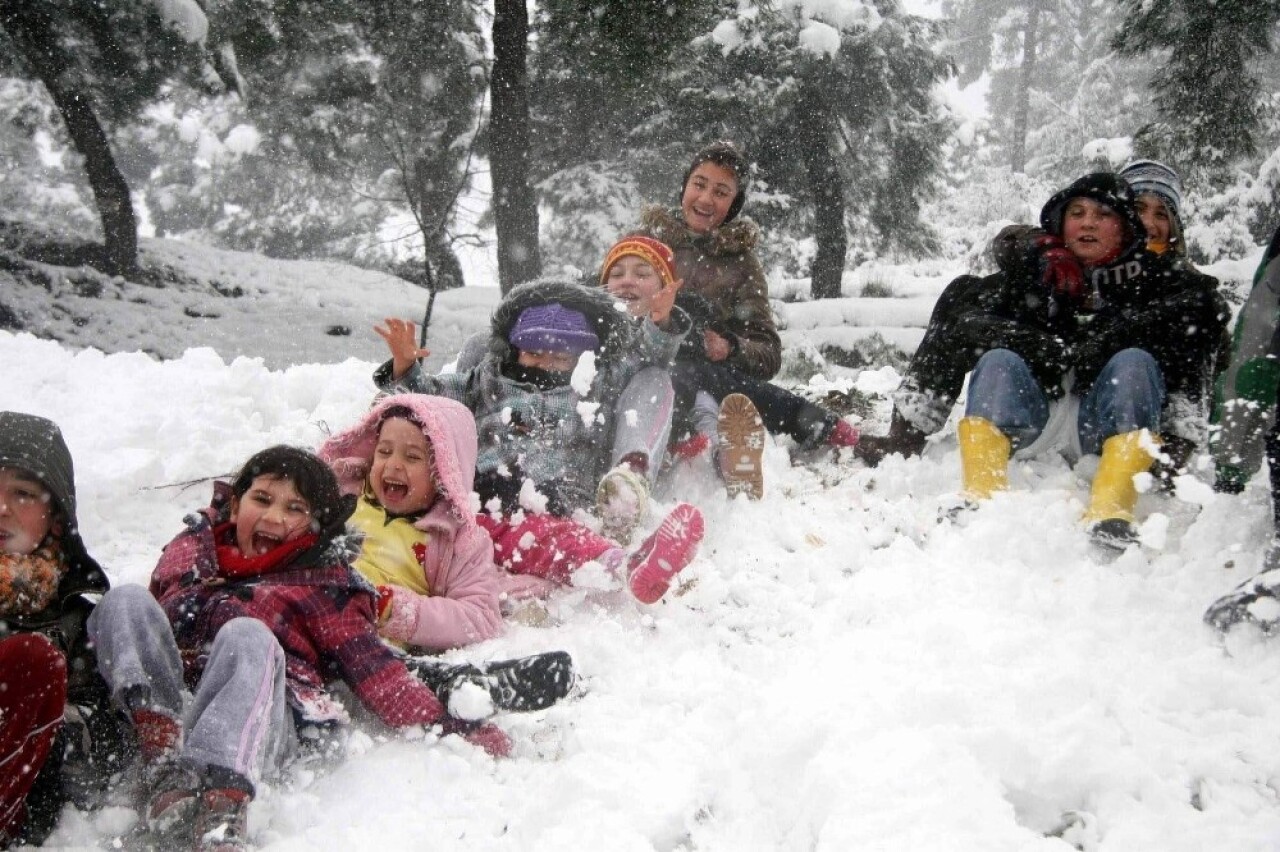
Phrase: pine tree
{"type": "Point", "coordinates": [361, 111]}
{"type": "Point", "coordinates": [1207, 89]}
{"type": "Point", "coordinates": [1056, 84]}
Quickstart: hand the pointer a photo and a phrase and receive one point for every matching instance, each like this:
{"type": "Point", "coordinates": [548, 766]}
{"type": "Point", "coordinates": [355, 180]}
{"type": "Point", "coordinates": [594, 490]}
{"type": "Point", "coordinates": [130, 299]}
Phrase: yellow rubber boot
{"type": "Point", "coordinates": [1123, 457]}
{"type": "Point", "coordinates": [984, 458]}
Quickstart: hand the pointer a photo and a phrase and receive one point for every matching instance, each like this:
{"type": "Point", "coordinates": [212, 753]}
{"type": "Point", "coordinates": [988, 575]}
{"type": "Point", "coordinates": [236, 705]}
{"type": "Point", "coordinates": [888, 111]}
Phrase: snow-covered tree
{"type": "Point", "coordinates": [1207, 89]}
{"type": "Point", "coordinates": [1056, 83]}
{"type": "Point", "coordinates": [835, 102]}
{"type": "Point", "coordinates": [102, 62]}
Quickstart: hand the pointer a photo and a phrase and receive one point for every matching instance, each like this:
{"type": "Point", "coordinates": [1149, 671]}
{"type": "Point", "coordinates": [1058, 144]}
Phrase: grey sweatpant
{"type": "Point", "coordinates": [643, 416]}
{"type": "Point", "coordinates": [239, 718]}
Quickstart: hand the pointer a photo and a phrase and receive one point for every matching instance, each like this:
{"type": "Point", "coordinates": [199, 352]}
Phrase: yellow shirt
{"type": "Point", "coordinates": [391, 552]}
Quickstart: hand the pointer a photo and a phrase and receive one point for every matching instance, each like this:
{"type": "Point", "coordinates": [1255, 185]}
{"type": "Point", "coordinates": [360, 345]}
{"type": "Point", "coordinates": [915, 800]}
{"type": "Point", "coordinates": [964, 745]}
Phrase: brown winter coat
{"type": "Point", "coordinates": [722, 268]}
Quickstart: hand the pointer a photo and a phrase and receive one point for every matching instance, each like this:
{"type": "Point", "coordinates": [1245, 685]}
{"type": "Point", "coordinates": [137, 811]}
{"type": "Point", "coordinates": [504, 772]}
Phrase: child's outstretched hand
{"type": "Point", "coordinates": [662, 303]}
{"type": "Point", "coordinates": [402, 339]}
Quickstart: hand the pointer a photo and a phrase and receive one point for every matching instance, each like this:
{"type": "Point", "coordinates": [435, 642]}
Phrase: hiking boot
{"type": "Point", "coordinates": [159, 734]}
{"type": "Point", "coordinates": [741, 446]}
{"type": "Point", "coordinates": [622, 503]}
{"type": "Point", "coordinates": [665, 553]}
{"type": "Point", "coordinates": [222, 822]}
{"type": "Point", "coordinates": [173, 800]}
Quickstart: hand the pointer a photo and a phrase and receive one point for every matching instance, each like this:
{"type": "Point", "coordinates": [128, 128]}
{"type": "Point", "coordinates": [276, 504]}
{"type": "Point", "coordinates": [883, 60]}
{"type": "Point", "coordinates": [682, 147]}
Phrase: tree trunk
{"type": "Point", "coordinates": [32, 30]}
{"type": "Point", "coordinates": [815, 136]}
{"type": "Point", "coordinates": [1022, 107]}
{"type": "Point", "coordinates": [515, 210]}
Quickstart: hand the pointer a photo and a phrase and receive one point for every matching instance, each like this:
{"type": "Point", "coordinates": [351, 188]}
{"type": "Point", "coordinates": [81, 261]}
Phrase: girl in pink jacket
{"type": "Point", "coordinates": [411, 461]}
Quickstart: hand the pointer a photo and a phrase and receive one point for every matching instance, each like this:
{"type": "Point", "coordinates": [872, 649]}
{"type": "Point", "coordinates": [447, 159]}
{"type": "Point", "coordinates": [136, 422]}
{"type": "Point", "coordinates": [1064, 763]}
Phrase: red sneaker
{"type": "Point", "coordinates": [665, 553]}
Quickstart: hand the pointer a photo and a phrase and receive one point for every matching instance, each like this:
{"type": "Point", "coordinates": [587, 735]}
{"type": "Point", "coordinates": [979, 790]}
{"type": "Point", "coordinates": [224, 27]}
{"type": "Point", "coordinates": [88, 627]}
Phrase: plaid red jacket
{"type": "Point", "coordinates": [321, 611]}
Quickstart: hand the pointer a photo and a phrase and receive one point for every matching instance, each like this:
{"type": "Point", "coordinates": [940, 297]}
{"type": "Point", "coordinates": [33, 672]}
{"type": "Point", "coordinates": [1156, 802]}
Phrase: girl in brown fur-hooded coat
{"type": "Point", "coordinates": [715, 256]}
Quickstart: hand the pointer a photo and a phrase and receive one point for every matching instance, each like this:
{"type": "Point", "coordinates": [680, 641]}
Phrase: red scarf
{"type": "Point", "coordinates": [234, 564]}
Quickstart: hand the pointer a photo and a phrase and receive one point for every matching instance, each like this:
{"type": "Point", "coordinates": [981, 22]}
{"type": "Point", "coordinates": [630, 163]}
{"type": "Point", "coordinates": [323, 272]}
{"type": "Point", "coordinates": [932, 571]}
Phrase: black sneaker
{"type": "Point", "coordinates": [521, 685]}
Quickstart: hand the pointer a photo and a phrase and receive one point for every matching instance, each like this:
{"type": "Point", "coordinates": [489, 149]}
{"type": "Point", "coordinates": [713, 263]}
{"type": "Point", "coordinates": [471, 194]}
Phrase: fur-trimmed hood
{"type": "Point", "coordinates": [448, 425]}
{"type": "Point", "coordinates": [732, 238]}
{"type": "Point", "coordinates": [611, 325]}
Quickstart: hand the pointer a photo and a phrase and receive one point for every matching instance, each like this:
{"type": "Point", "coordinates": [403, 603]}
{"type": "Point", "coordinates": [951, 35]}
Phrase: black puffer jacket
{"type": "Point", "coordinates": [1157, 303]}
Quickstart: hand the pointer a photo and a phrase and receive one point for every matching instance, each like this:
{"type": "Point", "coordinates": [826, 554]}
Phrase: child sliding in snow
{"type": "Point", "coordinates": [549, 430]}
{"type": "Point", "coordinates": [411, 461]}
{"type": "Point", "coordinates": [265, 612]}
{"type": "Point", "coordinates": [47, 665]}
{"type": "Point", "coordinates": [1249, 431]}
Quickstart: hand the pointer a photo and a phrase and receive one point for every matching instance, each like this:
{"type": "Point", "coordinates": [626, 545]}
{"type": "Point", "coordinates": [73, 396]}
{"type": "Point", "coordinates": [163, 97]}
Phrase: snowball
{"type": "Point", "coordinates": [531, 498]}
{"type": "Point", "coordinates": [587, 411]}
{"type": "Point", "coordinates": [470, 701]}
{"type": "Point", "coordinates": [1154, 531]}
{"type": "Point", "coordinates": [584, 374]}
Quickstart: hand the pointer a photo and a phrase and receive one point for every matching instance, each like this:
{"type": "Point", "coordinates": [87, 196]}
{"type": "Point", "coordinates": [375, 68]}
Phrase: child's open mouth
{"type": "Point", "coordinates": [394, 491]}
{"type": "Point", "coordinates": [265, 542]}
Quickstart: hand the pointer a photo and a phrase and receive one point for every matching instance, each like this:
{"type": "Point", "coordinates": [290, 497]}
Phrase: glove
{"type": "Point", "coordinates": [385, 594]}
{"type": "Point", "coordinates": [1229, 479]}
{"type": "Point", "coordinates": [1059, 271]}
{"type": "Point", "coordinates": [487, 736]}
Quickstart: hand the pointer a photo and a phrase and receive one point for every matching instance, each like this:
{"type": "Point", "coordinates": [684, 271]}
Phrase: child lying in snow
{"type": "Point", "coordinates": [546, 431]}
{"type": "Point", "coordinates": [258, 612]}
{"type": "Point", "coordinates": [411, 461]}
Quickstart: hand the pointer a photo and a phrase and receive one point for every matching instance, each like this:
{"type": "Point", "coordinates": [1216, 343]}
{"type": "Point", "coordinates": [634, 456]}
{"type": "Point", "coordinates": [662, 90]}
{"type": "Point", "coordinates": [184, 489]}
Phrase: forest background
{"type": "Point", "coordinates": [401, 136]}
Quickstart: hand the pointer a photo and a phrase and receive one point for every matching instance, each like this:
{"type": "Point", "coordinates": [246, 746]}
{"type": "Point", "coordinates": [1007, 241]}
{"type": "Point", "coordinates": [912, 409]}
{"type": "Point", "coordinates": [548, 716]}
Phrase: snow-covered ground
{"type": "Point", "coordinates": [843, 668]}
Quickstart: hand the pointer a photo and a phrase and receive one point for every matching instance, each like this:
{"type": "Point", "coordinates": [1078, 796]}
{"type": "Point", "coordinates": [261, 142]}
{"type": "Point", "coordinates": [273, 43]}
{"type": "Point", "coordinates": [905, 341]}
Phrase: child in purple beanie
{"type": "Point", "coordinates": [568, 392]}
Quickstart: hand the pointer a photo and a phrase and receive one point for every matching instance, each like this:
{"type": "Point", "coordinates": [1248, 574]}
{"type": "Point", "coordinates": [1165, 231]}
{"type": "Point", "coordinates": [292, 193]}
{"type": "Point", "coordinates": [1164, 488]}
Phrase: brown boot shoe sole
{"type": "Point", "coordinates": [741, 447]}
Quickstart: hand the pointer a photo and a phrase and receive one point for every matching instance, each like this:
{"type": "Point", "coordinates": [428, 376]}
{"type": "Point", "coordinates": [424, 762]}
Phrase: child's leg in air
{"type": "Point", "coordinates": [139, 660]}
{"type": "Point", "coordinates": [643, 427]}
{"type": "Point", "coordinates": [554, 548]}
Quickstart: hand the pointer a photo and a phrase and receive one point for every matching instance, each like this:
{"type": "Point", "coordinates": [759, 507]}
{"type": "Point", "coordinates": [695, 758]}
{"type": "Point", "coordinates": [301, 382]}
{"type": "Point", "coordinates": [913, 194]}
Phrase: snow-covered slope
{"type": "Point", "coordinates": [843, 668]}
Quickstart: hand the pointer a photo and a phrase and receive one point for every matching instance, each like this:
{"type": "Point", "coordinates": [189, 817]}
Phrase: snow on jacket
{"type": "Point", "coordinates": [1245, 396]}
{"type": "Point", "coordinates": [722, 268]}
{"type": "Point", "coordinates": [457, 560]}
{"type": "Point", "coordinates": [1156, 303]}
{"type": "Point", "coordinates": [320, 610]}
{"type": "Point", "coordinates": [556, 438]}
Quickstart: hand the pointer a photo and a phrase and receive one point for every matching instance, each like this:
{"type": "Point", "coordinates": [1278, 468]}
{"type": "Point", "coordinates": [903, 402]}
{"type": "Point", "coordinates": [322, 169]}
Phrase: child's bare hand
{"type": "Point", "coordinates": [402, 339]}
{"type": "Point", "coordinates": [662, 303]}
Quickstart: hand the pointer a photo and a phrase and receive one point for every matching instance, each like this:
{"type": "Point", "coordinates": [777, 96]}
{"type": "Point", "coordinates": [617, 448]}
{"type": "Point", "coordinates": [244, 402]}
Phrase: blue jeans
{"type": "Point", "coordinates": [1127, 395]}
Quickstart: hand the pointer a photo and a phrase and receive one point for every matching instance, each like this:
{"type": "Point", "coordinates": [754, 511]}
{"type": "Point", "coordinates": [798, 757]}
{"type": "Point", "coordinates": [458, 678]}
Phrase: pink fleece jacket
{"type": "Point", "coordinates": [458, 565]}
